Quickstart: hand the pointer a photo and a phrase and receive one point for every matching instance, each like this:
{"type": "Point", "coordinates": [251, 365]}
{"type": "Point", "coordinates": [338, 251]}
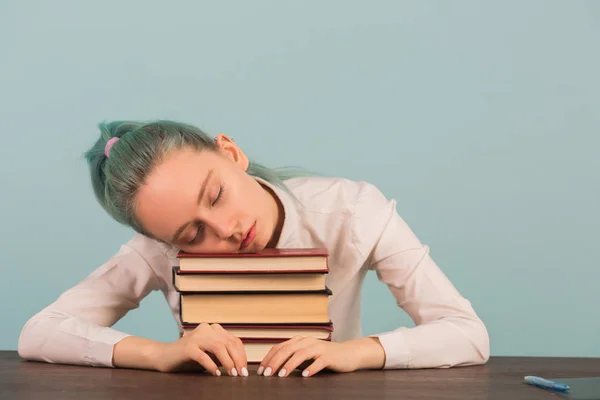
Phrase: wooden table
{"type": "Point", "coordinates": [500, 378]}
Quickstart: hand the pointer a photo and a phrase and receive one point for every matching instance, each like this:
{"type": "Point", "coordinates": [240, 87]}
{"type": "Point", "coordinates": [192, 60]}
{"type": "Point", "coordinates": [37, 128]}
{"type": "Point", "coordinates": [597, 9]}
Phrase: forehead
{"type": "Point", "coordinates": [181, 165]}
{"type": "Point", "coordinates": [181, 170]}
{"type": "Point", "coordinates": [170, 192]}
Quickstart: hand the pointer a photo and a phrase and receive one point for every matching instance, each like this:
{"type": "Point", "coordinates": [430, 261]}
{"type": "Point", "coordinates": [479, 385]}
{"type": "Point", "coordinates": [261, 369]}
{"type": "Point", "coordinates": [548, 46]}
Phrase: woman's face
{"type": "Point", "coordinates": [204, 201]}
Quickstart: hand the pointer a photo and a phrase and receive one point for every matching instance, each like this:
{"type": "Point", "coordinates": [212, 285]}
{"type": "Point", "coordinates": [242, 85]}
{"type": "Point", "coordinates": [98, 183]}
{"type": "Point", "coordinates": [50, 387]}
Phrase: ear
{"type": "Point", "coordinates": [230, 150]}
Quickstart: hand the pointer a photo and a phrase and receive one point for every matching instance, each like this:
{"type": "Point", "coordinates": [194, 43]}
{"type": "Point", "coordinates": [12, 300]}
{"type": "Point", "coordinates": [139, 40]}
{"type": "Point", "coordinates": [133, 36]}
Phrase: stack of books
{"type": "Point", "coordinates": [263, 298]}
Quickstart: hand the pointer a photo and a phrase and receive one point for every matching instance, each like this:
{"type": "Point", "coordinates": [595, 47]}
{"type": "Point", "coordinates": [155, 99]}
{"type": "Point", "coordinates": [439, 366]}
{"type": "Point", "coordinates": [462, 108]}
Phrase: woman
{"type": "Point", "coordinates": [182, 190]}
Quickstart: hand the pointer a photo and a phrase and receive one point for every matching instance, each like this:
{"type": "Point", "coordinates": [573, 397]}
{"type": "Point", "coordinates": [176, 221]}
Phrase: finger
{"type": "Point", "coordinates": [304, 364]}
{"type": "Point", "coordinates": [319, 364]}
{"type": "Point", "coordinates": [272, 351]}
{"type": "Point", "coordinates": [203, 327]}
{"type": "Point", "coordinates": [303, 354]}
{"type": "Point", "coordinates": [236, 350]}
{"type": "Point", "coordinates": [267, 358]}
{"type": "Point", "coordinates": [214, 358]}
{"type": "Point", "coordinates": [219, 349]}
{"type": "Point", "coordinates": [266, 361]}
{"type": "Point", "coordinates": [204, 359]}
{"type": "Point", "coordinates": [282, 354]}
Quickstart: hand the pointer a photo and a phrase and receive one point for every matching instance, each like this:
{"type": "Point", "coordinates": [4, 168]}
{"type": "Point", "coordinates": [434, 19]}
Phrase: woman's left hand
{"type": "Point", "coordinates": [339, 357]}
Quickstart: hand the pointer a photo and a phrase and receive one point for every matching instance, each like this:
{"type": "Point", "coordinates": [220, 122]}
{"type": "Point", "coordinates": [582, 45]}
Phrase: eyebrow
{"type": "Point", "coordinates": [179, 231]}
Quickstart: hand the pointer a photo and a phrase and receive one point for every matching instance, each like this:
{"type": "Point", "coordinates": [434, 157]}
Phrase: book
{"type": "Point", "coordinates": [258, 339]}
{"type": "Point", "coordinates": [263, 298]}
{"type": "Point", "coordinates": [227, 281]}
{"type": "Point", "coordinates": [255, 307]}
{"type": "Point", "coordinates": [270, 259]}
{"type": "Point", "coordinates": [272, 331]}
{"type": "Point", "coordinates": [257, 349]}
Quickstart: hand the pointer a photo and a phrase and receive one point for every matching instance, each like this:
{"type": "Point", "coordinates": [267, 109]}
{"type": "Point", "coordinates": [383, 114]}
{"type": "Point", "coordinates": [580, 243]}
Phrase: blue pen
{"type": "Point", "coordinates": [546, 383]}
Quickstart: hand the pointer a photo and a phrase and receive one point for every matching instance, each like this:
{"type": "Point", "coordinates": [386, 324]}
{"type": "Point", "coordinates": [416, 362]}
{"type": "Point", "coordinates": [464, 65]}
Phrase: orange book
{"type": "Point", "coordinates": [255, 307]}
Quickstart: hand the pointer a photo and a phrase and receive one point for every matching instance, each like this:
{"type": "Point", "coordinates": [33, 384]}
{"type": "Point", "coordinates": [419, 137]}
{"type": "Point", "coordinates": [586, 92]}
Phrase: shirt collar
{"type": "Point", "coordinates": [290, 217]}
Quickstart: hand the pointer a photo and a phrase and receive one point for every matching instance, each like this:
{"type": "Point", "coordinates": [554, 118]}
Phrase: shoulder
{"type": "Point", "coordinates": [152, 250]}
{"type": "Point", "coordinates": [355, 209]}
{"type": "Point", "coordinates": [332, 193]}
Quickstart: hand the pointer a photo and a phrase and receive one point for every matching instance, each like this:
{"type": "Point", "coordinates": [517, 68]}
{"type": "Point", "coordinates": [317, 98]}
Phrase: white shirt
{"type": "Point", "coordinates": [353, 220]}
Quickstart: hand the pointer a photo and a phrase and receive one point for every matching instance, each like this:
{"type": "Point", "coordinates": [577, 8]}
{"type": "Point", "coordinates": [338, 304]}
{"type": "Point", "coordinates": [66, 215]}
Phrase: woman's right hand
{"type": "Point", "coordinates": [209, 346]}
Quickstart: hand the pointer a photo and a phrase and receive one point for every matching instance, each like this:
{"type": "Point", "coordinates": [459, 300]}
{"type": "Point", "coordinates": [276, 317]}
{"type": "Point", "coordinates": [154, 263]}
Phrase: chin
{"type": "Point", "coordinates": [256, 246]}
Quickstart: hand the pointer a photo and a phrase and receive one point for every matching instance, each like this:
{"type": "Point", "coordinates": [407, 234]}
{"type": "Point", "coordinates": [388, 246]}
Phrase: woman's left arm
{"type": "Point", "coordinates": [447, 330]}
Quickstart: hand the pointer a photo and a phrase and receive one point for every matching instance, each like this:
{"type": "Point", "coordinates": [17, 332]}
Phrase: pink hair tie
{"type": "Point", "coordinates": [109, 144]}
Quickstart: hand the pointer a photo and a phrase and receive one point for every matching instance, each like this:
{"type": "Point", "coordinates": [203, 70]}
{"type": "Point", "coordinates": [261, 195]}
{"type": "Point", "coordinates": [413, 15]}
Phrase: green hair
{"type": "Point", "coordinates": [141, 146]}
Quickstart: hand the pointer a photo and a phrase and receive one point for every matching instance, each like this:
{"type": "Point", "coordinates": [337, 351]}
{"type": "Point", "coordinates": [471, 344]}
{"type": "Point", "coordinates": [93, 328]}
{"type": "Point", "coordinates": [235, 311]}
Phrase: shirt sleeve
{"type": "Point", "coordinates": [76, 328]}
{"type": "Point", "coordinates": [447, 330]}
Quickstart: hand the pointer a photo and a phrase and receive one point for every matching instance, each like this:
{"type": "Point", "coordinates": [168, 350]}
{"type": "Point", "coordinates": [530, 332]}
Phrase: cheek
{"type": "Point", "coordinates": [209, 245]}
{"type": "Point", "coordinates": [240, 200]}
{"type": "Point", "coordinates": [251, 202]}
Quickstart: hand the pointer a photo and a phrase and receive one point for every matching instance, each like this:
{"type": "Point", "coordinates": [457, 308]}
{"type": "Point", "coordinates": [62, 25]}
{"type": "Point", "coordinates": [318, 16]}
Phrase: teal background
{"type": "Point", "coordinates": [480, 118]}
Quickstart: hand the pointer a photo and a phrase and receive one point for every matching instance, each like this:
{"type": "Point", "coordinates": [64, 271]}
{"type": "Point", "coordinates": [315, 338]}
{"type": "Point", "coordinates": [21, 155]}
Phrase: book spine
{"type": "Point", "coordinates": [279, 325]}
{"type": "Point", "coordinates": [264, 339]}
{"type": "Point", "coordinates": [179, 271]}
{"type": "Point", "coordinates": [325, 291]}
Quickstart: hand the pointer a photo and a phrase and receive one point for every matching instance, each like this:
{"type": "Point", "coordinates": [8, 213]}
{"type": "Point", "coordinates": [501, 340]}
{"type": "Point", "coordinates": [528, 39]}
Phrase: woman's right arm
{"type": "Point", "coordinates": [76, 328]}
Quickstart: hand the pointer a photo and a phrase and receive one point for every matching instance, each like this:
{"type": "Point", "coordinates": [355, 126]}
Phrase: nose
{"type": "Point", "coordinates": [222, 225]}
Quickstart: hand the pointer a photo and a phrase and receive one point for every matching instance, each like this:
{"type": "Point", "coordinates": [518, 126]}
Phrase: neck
{"type": "Point", "coordinates": [279, 213]}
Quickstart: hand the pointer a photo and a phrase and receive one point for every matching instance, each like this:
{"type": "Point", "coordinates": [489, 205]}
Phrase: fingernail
{"type": "Point", "coordinates": [218, 373]}
{"type": "Point", "coordinates": [244, 371]}
{"type": "Point", "coordinates": [282, 372]}
{"type": "Point", "coordinates": [260, 370]}
{"type": "Point", "coordinates": [268, 371]}
{"type": "Point", "coordinates": [305, 373]}
{"type": "Point", "coordinates": [234, 372]}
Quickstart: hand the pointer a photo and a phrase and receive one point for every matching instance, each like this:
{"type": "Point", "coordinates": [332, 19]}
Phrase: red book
{"type": "Point", "coordinates": [258, 339]}
{"type": "Point", "coordinates": [225, 281]}
{"type": "Point", "coordinates": [269, 260]}
{"type": "Point", "coordinates": [273, 331]}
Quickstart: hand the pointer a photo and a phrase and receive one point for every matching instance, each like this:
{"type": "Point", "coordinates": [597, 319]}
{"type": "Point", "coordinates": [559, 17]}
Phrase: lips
{"type": "Point", "coordinates": [249, 237]}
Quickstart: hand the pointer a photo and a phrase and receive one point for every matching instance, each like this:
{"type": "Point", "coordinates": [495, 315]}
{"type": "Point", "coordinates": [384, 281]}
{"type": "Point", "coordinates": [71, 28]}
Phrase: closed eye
{"type": "Point", "coordinates": [219, 195]}
{"type": "Point", "coordinates": [200, 227]}
{"type": "Point", "coordinates": [195, 238]}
